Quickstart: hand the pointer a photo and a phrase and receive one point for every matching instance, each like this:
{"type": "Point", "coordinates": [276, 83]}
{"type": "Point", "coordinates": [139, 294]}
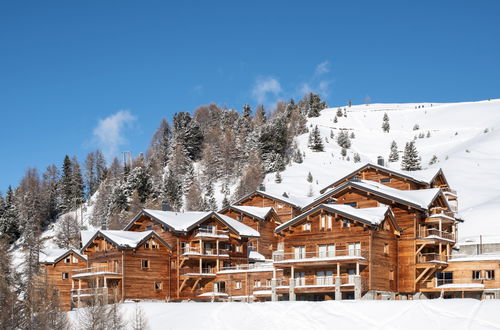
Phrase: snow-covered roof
{"type": "Point", "coordinates": [420, 199]}
{"type": "Point", "coordinates": [291, 200]}
{"type": "Point", "coordinates": [185, 221]}
{"type": "Point", "coordinates": [51, 256]}
{"type": "Point", "coordinates": [477, 257]}
{"type": "Point", "coordinates": [255, 211]}
{"type": "Point", "coordinates": [370, 215]}
{"type": "Point", "coordinates": [423, 176]}
{"type": "Point", "coordinates": [122, 238]}
{"type": "Point", "coordinates": [475, 240]}
{"type": "Point", "coordinates": [256, 256]}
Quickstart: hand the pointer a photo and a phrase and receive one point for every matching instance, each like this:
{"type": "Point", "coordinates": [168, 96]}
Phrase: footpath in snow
{"type": "Point", "coordinates": [417, 314]}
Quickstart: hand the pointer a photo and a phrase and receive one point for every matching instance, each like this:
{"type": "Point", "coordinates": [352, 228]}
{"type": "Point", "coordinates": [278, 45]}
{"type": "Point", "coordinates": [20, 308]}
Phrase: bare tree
{"type": "Point", "coordinates": [68, 232]}
{"type": "Point", "coordinates": [139, 320]}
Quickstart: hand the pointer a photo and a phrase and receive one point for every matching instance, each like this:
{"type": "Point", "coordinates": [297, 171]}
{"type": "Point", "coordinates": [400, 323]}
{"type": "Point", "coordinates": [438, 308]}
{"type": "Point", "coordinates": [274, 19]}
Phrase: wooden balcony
{"type": "Point", "coordinates": [435, 235]}
{"type": "Point", "coordinates": [435, 259]}
{"type": "Point", "coordinates": [208, 272]}
{"type": "Point", "coordinates": [98, 271]}
{"type": "Point", "coordinates": [318, 258]}
{"type": "Point", "coordinates": [211, 234]}
{"type": "Point", "coordinates": [446, 285]}
{"type": "Point", "coordinates": [313, 284]}
{"type": "Point", "coordinates": [197, 252]}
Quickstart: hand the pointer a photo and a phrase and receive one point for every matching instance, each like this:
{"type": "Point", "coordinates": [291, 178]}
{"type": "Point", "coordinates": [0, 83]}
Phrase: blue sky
{"type": "Point", "coordinates": [80, 75]}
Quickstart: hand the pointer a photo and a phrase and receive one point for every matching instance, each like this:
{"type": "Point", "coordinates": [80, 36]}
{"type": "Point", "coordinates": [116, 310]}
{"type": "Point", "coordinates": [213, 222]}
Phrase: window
{"type": "Point", "coordinates": [391, 275]}
{"type": "Point", "coordinates": [240, 218]}
{"type": "Point", "coordinates": [306, 226]}
{"type": "Point", "coordinates": [268, 283]}
{"type": "Point", "coordinates": [329, 222]}
{"type": "Point", "coordinates": [149, 227]}
{"type": "Point", "coordinates": [65, 276]}
{"type": "Point", "coordinates": [237, 284]}
{"type": "Point", "coordinates": [385, 180]}
{"type": "Point", "coordinates": [489, 274]}
{"type": "Point", "coordinates": [144, 264]}
{"type": "Point", "coordinates": [476, 274]}
{"type": "Point", "coordinates": [250, 246]}
{"type": "Point", "coordinates": [386, 249]}
{"type": "Point", "coordinates": [239, 248]}
{"type": "Point", "coordinates": [67, 260]}
{"type": "Point", "coordinates": [299, 252]}
{"type": "Point", "coordinates": [355, 249]}
{"type": "Point", "coordinates": [353, 204]}
{"type": "Point", "coordinates": [146, 245]}
{"type": "Point", "coordinates": [346, 223]}
{"type": "Point", "coordinates": [75, 260]}
{"type": "Point", "coordinates": [280, 206]}
{"type": "Point", "coordinates": [326, 250]}
{"type": "Point", "coordinates": [323, 221]}
{"type": "Point", "coordinates": [154, 245]}
{"type": "Point", "coordinates": [256, 284]}
{"type": "Point", "coordinates": [158, 286]}
{"type": "Point", "coordinates": [444, 278]}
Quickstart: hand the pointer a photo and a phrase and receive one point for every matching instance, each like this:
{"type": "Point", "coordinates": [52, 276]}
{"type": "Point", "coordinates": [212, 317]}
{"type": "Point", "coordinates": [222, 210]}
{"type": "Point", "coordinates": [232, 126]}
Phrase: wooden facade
{"type": "Point", "coordinates": [318, 251]}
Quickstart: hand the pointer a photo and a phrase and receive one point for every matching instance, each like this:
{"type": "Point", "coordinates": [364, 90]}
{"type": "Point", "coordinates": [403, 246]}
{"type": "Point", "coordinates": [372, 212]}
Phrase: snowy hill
{"type": "Point", "coordinates": [465, 137]}
{"type": "Point", "coordinates": [409, 314]}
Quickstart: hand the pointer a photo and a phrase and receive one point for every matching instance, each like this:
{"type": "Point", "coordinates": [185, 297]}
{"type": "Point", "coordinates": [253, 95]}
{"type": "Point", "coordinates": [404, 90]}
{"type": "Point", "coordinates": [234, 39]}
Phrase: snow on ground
{"type": "Point", "coordinates": [464, 136]}
{"type": "Point", "coordinates": [414, 314]}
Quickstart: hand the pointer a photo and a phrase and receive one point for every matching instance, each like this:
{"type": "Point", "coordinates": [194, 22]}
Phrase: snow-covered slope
{"type": "Point", "coordinates": [464, 136]}
{"type": "Point", "coordinates": [409, 314]}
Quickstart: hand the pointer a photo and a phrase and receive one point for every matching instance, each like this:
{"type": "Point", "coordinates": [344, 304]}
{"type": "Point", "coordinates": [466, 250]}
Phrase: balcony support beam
{"type": "Point", "coordinates": [338, 282]}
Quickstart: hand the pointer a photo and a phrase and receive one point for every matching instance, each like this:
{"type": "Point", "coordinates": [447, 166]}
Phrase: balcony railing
{"type": "Point", "coordinates": [321, 281]}
{"type": "Point", "coordinates": [433, 233]}
{"type": "Point", "coordinates": [423, 258]}
{"type": "Point", "coordinates": [205, 251]}
{"type": "Point", "coordinates": [211, 232]}
{"type": "Point", "coordinates": [205, 271]}
{"type": "Point", "coordinates": [97, 270]}
{"type": "Point", "coordinates": [89, 292]}
{"type": "Point", "coordinates": [243, 267]}
{"type": "Point", "coordinates": [338, 255]}
{"type": "Point", "coordinates": [457, 283]}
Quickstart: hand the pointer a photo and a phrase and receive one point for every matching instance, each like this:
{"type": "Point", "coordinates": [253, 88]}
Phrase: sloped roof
{"type": "Point", "coordinates": [420, 199]}
{"type": "Point", "coordinates": [424, 177]}
{"type": "Point", "coordinates": [294, 201]}
{"type": "Point", "coordinates": [254, 211]}
{"type": "Point", "coordinates": [185, 221]}
{"type": "Point", "coordinates": [371, 215]}
{"type": "Point", "coordinates": [121, 238]}
{"type": "Point", "coordinates": [52, 256]}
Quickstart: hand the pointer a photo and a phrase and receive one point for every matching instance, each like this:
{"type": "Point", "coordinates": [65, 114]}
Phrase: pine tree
{"type": "Point", "coordinates": [78, 187]}
{"type": "Point", "coordinates": [428, 134]}
{"type": "Point", "coordinates": [433, 160]}
{"type": "Point", "coordinates": [385, 123]}
{"type": "Point", "coordinates": [394, 155]}
{"type": "Point", "coordinates": [194, 201]}
{"type": "Point", "coordinates": [277, 177]}
{"type": "Point", "coordinates": [315, 142]}
{"type": "Point", "coordinates": [343, 140]}
{"type": "Point", "coordinates": [315, 105]}
{"type": "Point", "coordinates": [339, 113]}
{"type": "Point", "coordinates": [352, 136]}
{"type": "Point", "coordinates": [411, 160]}
{"type": "Point", "coordinates": [66, 185]}
{"type": "Point", "coordinates": [210, 204]}
{"type": "Point", "coordinates": [173, 191]}
{"type": "Point", "coordinates": [331, 134]}
{"type": "Point", "coordinates": [343, 152]}
{"type": "Point", "coordinates": [356, 158]}
{"type": "Point", "coordinates": [9, 222]}
{"type": "Point", "coordinates": [309, 177]}
{"type": "Point", "coordinates": [416, 127]}
{"type": "Point", "coordinates": [335, 120]}
{"type": "Point", "coordinates": [297, 157]}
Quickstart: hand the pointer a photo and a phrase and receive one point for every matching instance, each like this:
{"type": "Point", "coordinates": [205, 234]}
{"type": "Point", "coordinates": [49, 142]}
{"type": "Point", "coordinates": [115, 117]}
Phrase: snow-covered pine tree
{"type": "Point", "coordinates": [194, 200]}
{"type": "Point", "coordinates": [277, 177]}
{"type": "Point", "coordinates": [433, 160]}
{"type": "Point", "coordinates": [343, 139]}
{"type": "Point", "coordinates": [78, 187]}
{"type": "Point", "coordinates": [393, 155]}
{"type": "Point", "coordinates": [210, 204]}
{"type": "Point", "coordinates": [335, 120]}
{"type": "Point", "coordinates": [173, 191]}
{"type": "Point", "coordinates": [343, 152]}
{"type": "Point", "coordinates": [416, 127]}
{"type": "Point", "coordinates": [352, 136]}
{"type": "Point", "coordinates": [65, 187]}
{"type": "Point", "coordinates": [309, 177]}
{"type": "Point", "coordinates": [339, 113]}
{"type": "Point", "coordinates": [331, 134]}
{"type": "Point", "coordinates": [356, 158]}
{"type": "Point", "coordinates": [428, 134]}
{"type": "Point", "coordinates": [297, 156]}
{"type": "Point", "coordinates": [9, 221]}
{"type": "Point", "coordinates": [315, 105]}
{"type": "Point", "coordinates": [385, 123]}
{"type": "Point", "coordinates": [410, 160]}
{"type": "Point", "coordinates": [315, 142]}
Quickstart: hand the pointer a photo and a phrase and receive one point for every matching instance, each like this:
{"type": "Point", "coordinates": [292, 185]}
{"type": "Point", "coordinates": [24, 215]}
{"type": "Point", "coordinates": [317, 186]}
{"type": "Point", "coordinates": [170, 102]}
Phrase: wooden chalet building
{"type": "Point", "coordinates": [376, 233]}
{"type": "Point", "coordinates": [57, 267]}
{"type": "Point", "coordinates": [262, 219]}
{"type": "Point", "coordinates": [122, 265]}
{"type": "Point", "coordinates": [203, 243]}
{"type": "Point", "coordinates": [337, 251]}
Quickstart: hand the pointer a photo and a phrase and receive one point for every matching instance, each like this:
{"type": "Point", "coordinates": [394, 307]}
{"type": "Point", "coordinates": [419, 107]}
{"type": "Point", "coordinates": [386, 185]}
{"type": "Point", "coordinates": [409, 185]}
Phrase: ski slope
{"type": "Point", "coordinates": [411, 314]}
{"type": "Point", "coordinates": [464, 136]}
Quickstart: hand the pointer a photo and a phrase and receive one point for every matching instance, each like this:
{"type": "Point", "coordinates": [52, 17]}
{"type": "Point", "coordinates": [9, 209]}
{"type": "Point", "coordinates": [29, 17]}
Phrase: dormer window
{"type": "Point", "coordinates": [146, 245]}
{"type": "Point", "coordinates": [149, 227]}
{"type": "Point", "coordinates": [306, 226]}
{"type": "Point", "coordinates": [240, 218]}
{"type": "Point", "coordinates": [67, 260]}
{"type": "Point", "coordinates": [346, 223]}
{"type": "Point", "coordinates": [385, 180]}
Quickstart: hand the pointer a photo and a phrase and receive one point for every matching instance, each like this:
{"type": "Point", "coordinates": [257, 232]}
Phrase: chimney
{"type": "Point", "coordinates": [164, 205]}
{"type": "Point", "coordinates": [380, 161]}
{"type": "Point", "coordinates": [262, 187]}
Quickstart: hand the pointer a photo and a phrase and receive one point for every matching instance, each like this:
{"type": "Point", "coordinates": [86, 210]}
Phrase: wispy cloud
{"type": "Point", "coordinates": [266, 89]}
{"type": "Point", "coordinates": [322, 68]}
{"type": "Point", "coordinates": [110, 132]}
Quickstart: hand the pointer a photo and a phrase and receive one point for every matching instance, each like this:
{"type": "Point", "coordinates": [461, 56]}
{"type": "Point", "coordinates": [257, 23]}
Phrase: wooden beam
{"type": "Point", "coordinates": [195, 283]}
{"type": "Point", "coordinates": [420, 248]}
{"type": "Point", "coordinates": [422, 274]}
{"type": "Point", "coordinates": [182, 285]}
